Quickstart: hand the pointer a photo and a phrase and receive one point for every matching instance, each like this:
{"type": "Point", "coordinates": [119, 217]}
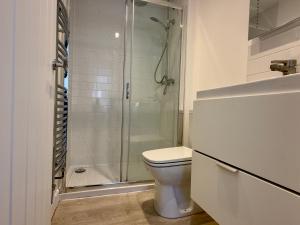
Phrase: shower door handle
{"type": "Point", "coordinates": [127, 90]}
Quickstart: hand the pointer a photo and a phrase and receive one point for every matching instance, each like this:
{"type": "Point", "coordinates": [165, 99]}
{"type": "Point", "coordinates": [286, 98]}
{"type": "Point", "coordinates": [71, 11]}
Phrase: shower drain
{"type": "Point", "coordinates": [80, 170]}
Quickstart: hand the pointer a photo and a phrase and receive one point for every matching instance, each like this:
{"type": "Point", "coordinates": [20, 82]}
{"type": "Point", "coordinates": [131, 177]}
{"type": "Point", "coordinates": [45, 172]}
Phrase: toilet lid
{"type": "Point", "coordinates": [166, 155]}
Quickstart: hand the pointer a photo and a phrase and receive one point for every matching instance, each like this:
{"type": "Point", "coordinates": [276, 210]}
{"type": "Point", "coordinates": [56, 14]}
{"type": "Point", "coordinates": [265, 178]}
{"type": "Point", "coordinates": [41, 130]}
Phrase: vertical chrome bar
{"type": "Point", "coordinates": [130, 81]}
{"type": "Point", "coordinates": [123, 97]}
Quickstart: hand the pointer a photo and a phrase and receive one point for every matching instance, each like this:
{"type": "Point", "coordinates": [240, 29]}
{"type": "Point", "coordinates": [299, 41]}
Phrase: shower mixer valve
{"type": "Point", "coordinates": [167, 82]}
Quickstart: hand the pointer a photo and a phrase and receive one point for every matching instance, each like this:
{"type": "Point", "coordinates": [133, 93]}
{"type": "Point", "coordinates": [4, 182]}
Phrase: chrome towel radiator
{"type": "Point", "coordinates": [60, 66]}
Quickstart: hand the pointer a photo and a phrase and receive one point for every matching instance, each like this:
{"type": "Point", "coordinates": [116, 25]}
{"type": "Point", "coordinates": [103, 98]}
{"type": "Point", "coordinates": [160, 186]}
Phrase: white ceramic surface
{"type": "Point", "coordinates": [165, 155]}
{"type": "Point", "coordinates": [172, 181]}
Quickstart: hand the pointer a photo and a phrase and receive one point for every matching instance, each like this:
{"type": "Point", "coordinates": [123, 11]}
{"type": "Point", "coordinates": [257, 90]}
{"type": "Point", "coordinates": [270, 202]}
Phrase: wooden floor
{"type": "Point", "coordinates": [125, 209]}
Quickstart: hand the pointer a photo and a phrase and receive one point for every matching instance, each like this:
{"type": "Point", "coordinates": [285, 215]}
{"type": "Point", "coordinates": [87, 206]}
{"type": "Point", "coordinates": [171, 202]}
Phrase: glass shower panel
{"type": "Point", "coordinates": [156, 45]}
{"type": "Point", "coordinates": [96, 84]}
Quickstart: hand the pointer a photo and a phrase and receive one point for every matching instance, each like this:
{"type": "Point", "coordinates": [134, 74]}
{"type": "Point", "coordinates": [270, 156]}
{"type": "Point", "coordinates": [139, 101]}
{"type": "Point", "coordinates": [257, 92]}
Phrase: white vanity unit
{"type": "Point", "coordinates": [246, 158]}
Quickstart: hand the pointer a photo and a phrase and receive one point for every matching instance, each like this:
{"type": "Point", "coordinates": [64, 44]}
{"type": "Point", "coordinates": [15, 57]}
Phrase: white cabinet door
{"type": "Point", "coordinates": [260, 134]}
{"type": "Point", "coordinates": [233, 197]}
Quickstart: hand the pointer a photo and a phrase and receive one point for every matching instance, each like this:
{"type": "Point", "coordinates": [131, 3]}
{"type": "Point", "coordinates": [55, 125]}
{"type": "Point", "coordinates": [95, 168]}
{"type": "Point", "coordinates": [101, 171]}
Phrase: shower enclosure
{"type": "Point", "coordinates": [124, 87]}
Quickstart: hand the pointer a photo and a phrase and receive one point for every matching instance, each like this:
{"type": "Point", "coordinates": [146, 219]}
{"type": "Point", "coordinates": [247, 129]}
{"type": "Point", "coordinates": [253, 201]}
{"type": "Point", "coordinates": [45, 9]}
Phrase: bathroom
{"type": "Point", "coordinates": [149, 112]}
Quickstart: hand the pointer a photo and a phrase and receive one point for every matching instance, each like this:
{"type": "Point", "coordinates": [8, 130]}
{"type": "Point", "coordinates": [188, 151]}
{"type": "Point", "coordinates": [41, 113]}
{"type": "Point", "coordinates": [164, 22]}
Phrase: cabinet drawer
{"type": "Point", "coordinates": [259, 134]}
{"type": "Point", "coordinates": [233, 197]}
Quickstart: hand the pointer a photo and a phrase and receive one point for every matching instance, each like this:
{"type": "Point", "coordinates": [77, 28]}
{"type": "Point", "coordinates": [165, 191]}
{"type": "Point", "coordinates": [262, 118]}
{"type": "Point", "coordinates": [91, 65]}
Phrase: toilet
{"type": "Point", "coordinates": [171, 169]}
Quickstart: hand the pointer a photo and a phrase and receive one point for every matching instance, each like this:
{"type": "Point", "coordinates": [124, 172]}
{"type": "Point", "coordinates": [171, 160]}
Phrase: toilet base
{"type": "Point", "coordinates": [174, 201]}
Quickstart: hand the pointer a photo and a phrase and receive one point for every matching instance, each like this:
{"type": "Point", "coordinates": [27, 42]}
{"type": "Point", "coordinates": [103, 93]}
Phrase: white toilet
{"type": "Point", "coordinates": [171, 169]}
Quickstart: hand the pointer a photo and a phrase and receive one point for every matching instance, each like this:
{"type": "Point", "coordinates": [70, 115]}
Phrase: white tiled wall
{"type": "Point", "coordinates": [96, 81]}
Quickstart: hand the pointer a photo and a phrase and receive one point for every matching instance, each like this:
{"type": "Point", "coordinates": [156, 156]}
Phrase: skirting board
{"type": "Point", "coordinates": [114, 189]}
{"type": "Point", "coordinates": [56, 200]}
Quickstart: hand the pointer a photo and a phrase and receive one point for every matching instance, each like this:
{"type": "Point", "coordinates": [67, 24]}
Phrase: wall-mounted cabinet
{"type": "Point", "coordinates": [273, 23]}
{"type": "Point", "coordinates": [245, 168]}
{"type": "Point", "coordinates": [268, 16]}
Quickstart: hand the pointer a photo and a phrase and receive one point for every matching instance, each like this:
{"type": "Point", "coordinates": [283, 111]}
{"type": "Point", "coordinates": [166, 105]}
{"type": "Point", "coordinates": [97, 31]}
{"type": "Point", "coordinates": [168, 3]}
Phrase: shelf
{"type": "Point", "coordinates": [275, 31]}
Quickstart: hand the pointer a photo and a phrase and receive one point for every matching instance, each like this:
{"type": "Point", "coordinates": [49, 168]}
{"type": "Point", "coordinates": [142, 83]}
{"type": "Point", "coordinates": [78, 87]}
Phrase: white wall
{"type": "Point", "coordinates": [217, 47]}
{"type": "Point", "coordinates": [6, 81]}
{"type": "Point", "coordinates": [27, 49]}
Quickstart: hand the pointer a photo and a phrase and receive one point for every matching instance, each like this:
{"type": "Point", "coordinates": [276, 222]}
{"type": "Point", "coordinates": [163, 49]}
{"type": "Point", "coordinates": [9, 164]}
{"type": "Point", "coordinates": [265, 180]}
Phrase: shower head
{"type": "Point", "coordinates": [154, 19]}
{"type": "Point", "coordinates": [166, 26]}
{"type": "Point", "coordinates": [158, 21]}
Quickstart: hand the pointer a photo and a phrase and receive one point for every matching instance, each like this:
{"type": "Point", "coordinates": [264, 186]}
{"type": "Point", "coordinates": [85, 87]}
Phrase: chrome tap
{"type": "Point", "coordinates": [285, 66]}
{"type": "Point", "coordinates": [167, 82]}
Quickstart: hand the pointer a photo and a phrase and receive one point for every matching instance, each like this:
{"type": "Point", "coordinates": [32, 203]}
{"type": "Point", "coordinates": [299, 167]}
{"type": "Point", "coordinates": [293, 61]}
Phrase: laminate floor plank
{"type": "Point", "coordinates": [125, 209]}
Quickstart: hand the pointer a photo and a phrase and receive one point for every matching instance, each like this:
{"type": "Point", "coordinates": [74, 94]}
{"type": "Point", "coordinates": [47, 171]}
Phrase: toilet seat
{"type": "Point", "coordinates": [168, 157]}
{"type": "Point", "coordinates": [182, 163]}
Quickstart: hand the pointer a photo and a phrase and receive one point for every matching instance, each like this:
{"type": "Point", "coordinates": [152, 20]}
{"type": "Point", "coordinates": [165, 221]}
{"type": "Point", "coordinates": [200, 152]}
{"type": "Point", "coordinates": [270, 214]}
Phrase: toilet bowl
{"type": "Point", "coordinates": [171, 169]}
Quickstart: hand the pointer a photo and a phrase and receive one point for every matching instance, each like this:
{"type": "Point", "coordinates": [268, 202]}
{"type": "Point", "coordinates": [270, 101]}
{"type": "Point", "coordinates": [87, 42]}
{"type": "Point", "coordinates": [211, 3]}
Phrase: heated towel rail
{"type": "Point", "coordinates": [60, 66]}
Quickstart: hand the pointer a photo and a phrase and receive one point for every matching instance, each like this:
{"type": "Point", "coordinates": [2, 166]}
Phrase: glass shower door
{"type": "Point", "coordinates": [96, 93]}
{"type": "Point", "coordinates": [124, 88]}
{"type": "Point", "coordinates": [155, 82]}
